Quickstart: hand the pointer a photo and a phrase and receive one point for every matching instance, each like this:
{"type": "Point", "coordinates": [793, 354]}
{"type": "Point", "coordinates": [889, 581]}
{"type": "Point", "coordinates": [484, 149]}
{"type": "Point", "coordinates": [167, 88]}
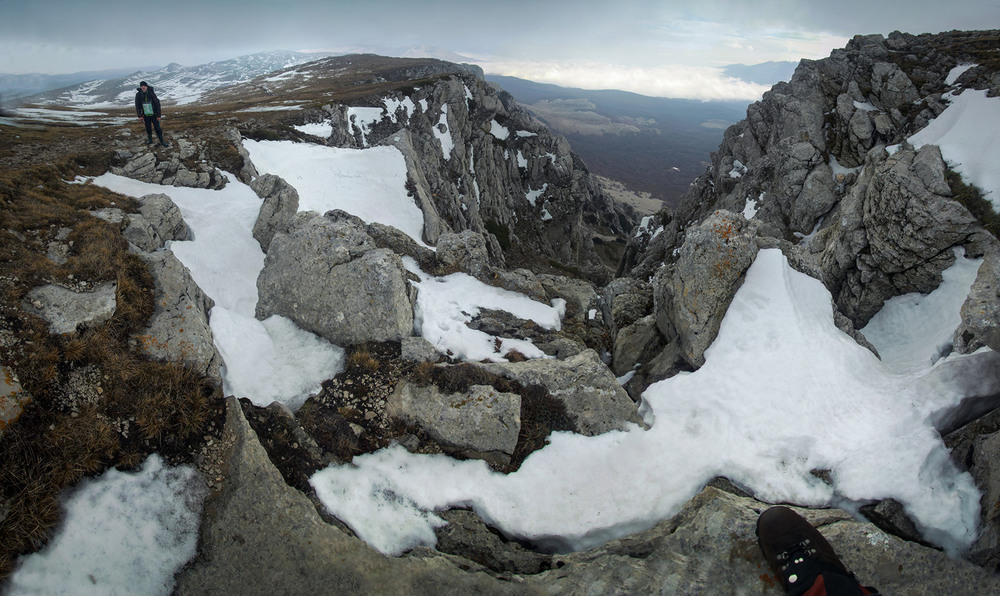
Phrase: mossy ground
{"type": "Point", "coordinates": [96, 402]}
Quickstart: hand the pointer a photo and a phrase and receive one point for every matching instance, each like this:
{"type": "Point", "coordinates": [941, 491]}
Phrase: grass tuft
{"type": "Point", "coordinates": [972, 198]}
{"type": "Point", "coordinates": [362, 358]}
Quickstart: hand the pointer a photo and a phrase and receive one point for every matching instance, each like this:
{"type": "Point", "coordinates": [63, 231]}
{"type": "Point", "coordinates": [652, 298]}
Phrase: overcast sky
{"type": "Point", "coordinates": [656, 47]}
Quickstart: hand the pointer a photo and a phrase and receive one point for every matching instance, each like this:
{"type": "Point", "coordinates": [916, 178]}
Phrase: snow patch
{"type": "Point", "coordinates": [534, 195]}
{"type": "Point", "coordinates": [445, 306]}
{"type": "Point", "coordinates": [122, 533]}
{"type": "Point", "coordinates": [956, 72]}
{"type": "Point", "coordinates": [443, 133]}
{"type": "Point", "coordinates": [783, 392]}
{"type": "Point", "coordinates": [499, 131]}
{"type": "Point", "coordinates": [317, 129]}
{"type": "Point", "coordinates": [966, 134]}
{"type": "Point", "coordinates": [738, 169]}
{"type": "Point", "coordinates": [750, 208]}
{"type": "Point", "coordinates": [369, 183]}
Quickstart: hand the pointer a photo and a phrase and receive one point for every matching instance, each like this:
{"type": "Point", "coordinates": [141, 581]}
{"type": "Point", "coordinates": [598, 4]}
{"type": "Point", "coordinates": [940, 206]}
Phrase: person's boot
{"type": "Point", "coordinates": [159, 135]}
{"type": "Point", "coordinates": [149, 139]}
{"type": "Point", "coordinates": [798, 554]}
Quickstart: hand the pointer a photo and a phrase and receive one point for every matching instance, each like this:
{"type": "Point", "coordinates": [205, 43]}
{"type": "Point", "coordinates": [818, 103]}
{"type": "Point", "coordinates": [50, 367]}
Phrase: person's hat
{"type": "Point", "coordinates": [143, 84]}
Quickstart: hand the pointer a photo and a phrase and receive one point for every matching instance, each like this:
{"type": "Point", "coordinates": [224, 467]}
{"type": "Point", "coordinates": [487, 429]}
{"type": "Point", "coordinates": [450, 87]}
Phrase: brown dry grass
{"type": "Point", "coordinates": [142, 406]}
{"type": "Point", "coordinates": [363, 359]}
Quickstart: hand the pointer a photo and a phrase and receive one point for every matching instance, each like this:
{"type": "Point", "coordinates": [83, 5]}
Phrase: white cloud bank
{"type": "Point", "coordinates": [684, 82]}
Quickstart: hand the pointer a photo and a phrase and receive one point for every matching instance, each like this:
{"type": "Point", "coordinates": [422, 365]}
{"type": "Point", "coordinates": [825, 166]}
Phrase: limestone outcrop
{"type": "Point", "coordinates": [68, 311]}
{"type": "Point", "coordinates": [158, 221]}
{"type": "Point", "coordinates": [185, 166]}
{"type": "Point", "coordinates": [329, 278]}
{"type": "Point", "coordinates": [281, 203]}
{"type": "Point", "coordinates": [586, 387]}
{"type": "Point", "coordinates": [476, 160]}
{"type": "Point", "coordinates": [259, 534]}
{"type": "Point", "coordinates": [179, 330]}
{"type": "Point", "coordinates": [821, 168]}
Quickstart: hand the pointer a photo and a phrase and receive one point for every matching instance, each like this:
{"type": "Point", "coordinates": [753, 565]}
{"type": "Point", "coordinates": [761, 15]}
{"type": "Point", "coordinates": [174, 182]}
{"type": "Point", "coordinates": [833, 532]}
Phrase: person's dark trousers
{"type": "Point", "coordinates": [151, 122]}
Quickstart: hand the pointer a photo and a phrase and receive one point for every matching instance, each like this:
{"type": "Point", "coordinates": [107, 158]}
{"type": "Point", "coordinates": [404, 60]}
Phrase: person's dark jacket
{"type": "Point", "coordinates": [141, 98]}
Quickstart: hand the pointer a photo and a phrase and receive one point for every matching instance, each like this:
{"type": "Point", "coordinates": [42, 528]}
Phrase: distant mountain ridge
{"type": "Point", "coordinates": [652, 144]}
{"type": "Point", "coordinates": [16, 86]}
{"type": "Point", "coordinates": [175, 84]}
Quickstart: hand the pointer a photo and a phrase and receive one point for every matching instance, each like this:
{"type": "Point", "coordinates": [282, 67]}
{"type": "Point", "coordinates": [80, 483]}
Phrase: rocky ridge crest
{"type": "Point", "coordinates": [475, 200]}
{"type": "Point", "coordinates": [821, 169]}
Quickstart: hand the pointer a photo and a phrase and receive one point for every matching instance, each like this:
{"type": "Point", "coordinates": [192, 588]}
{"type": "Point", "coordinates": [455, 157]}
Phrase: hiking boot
{"type": "Point", "coordinates": [149, 139]}
{"type": "Point", "coordinates": [798, 554]}
{"type": "Point", "coordinates": [162, 142]}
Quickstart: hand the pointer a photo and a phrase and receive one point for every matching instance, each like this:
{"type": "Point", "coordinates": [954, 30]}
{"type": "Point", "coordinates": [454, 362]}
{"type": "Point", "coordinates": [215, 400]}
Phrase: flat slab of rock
{"type": "Point", "coordinates": [261, 536]}
{"type": "Point", "coordinates": [710, 548]}
{"type": "Point", "coordinates": [66, 310]}
{"type": "Point", "coordinates": [593, 398]}
{"type": "Point", "coordinates": [179, 330]}
{"type": "Point", "coordinates": [481, 424]}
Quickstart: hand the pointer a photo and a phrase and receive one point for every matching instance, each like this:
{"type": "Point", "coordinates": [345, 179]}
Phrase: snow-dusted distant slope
{"type": "Point", "coordinates": [174, 83]}
{"type": "Point", "coordinates": [13, 87]}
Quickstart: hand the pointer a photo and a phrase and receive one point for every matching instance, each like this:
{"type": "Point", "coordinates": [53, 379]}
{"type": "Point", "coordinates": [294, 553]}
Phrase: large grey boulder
{"type": "Point", "coordinates": [261, 536]}
{"type": "Point", "coordinates": [465, 251]}
{"type": "Point", "coordinates": [816, 196]}
{"type": "Point", "coordinates": [66, 310]}
{"type": "Point", "coordinates": [281, 203]}
{"type": "Point", "coordinates": [638, 343]}
{"type": "Point", "coordinates": [981, 310]}
{"type": "Point", "coordinates": [179, 330]}
{"type": "Point", "coordinates": [624, 301]}
{"type": "Point", "coordinates": [580, 295]}
{"type": "Point", "coordinates": [691, 298]}
{"type": "Point", "coordinates": [895, 231]}
{"type": "Point", "coordinates": [594, 400]}
{"type": "Point", "coordinates": [891, 87]}
{"type": "Point", "coordinates": [418, 349]}
{"type": "Point", "coordinates": [482, 423]}
{"type": "Point", "coordinates": [393, 239]}
{"type": "Point", "coordinates": [710, 547]}
{"type": "Point", "coordinates": [522, 281]}
{"type": "Point", "coordinates": [158, 221]}
{"type": "Point", "coordinates": [329, 278]}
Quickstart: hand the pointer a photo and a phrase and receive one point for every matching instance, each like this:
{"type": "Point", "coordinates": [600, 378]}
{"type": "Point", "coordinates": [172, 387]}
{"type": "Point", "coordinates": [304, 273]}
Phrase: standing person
{"type": "Point", "coordinates": [147, 107]}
